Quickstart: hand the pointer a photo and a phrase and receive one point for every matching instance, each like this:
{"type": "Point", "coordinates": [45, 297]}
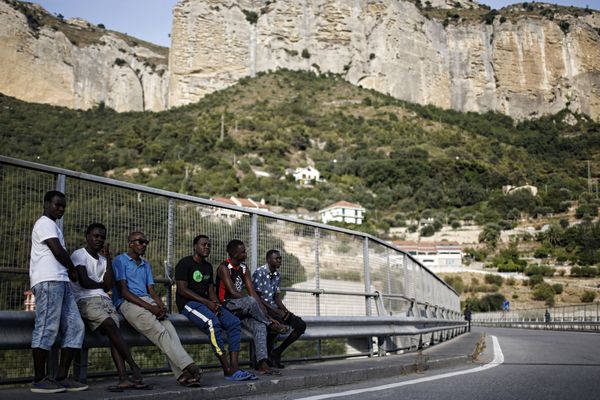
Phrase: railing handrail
{"type": "Point", "coordinates": [198, 200]}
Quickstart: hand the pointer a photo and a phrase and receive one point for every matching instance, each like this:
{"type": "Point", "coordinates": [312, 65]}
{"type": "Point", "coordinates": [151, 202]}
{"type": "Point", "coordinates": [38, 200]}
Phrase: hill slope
{"type": "Point", "coordinates": [390, 156]}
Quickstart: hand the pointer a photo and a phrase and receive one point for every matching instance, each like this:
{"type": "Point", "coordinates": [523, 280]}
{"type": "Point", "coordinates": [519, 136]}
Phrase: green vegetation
{"type": "Point", "coordinates": [390, 156]}
{"type": "Point", "coordinates": [588, 296]}
{"type": "Point", "coordinates": [489, 302]}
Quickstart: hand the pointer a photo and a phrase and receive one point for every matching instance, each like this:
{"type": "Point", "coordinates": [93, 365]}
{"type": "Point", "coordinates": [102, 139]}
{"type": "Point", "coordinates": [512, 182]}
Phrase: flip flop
{"type": "Point", "coordinates": [270, 372]}
{"type": "Point", "coordinates": [239, 375]}
{"type": "Point", "coordinates": [128, 386]}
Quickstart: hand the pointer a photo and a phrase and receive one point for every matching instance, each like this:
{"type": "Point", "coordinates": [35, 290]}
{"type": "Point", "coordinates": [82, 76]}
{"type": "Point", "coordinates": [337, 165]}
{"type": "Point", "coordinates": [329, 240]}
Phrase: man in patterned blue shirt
{"type": "Point", "coordinates": [266, 281]}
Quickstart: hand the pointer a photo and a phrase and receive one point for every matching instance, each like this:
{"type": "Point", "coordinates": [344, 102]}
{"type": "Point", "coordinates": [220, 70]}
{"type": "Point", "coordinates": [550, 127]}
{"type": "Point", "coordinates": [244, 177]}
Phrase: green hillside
{"type": "Point", "coordinates": [394, 158]}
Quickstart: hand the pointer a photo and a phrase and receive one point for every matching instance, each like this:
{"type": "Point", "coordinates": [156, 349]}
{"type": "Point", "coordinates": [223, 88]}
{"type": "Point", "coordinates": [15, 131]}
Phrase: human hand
{"type": "Point", "coordinates": [72, 273]}
{"type": "Point", "coordinates": [105, 251]}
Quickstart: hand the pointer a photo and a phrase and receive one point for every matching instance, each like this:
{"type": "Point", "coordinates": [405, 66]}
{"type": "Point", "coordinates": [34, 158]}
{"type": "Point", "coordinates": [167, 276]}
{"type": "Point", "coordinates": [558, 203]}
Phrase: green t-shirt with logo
{"type": "Point", "coordinates": [199, 277]}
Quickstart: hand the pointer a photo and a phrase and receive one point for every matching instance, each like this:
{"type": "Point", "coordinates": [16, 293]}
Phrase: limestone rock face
{"type": "Point", "coordinates": [525, 66]}
{"type": "Point", "coordinates": [76, 64]}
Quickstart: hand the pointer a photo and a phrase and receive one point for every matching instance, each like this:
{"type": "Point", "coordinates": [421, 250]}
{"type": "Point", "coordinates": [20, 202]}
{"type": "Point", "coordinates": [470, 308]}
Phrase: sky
{"type": "Point", "coordinates": [150, 20]}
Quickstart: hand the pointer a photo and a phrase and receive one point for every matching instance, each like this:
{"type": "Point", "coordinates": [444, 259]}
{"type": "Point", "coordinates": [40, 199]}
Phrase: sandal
{"type": "Point", "coordinates": [187, 380]}
{"type": "Point", "coordinates": [127, 385]}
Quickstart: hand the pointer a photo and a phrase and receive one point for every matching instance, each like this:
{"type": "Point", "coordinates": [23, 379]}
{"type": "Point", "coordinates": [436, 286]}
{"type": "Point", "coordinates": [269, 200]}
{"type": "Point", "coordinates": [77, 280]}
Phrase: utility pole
{"type": "Point", "coordinates": [589, 177]}
{"type": "Point", "coordinates": [222, 127]}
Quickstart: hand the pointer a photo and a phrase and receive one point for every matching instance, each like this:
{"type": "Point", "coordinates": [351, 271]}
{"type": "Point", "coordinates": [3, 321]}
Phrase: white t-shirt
{"type": "Point", "coordinates": [42, 265]}
{"type": "Point", "coordinates": [95, 270]}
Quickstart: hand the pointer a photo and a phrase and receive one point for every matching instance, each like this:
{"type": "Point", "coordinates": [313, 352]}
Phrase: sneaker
{"type": "Point", "coordinates": [47, 385]}
{"type": "Point", "coordinates": [72, 385]}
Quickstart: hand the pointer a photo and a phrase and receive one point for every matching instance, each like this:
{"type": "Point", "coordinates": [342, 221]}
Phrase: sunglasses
{"type": "Point", "coordinates": [140, 241]}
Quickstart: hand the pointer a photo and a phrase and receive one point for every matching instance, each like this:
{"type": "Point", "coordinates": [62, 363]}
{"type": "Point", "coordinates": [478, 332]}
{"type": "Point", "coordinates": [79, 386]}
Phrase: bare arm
{"type": "Point", "coordinates": [226, 279]}
{"type": "Point", "coordinates": [280, 303]}
{"type": "Point", "coordinates": [62, 257]}
{"type": "Point", "coordinates": [252, 292]}
{"type": "Point", "coordinates": [109, 275]}
{"type": "Point", "coordinates": [185, 291]}
{"type": "Point", "coordinates": [85, 281]}
{"type": "Point", "coordinates": [132, 298]}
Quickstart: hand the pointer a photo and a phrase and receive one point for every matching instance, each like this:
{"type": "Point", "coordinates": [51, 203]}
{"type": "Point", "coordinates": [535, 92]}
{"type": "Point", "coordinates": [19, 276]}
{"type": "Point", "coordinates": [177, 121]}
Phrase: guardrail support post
{"type": "Point", "coordinates": [367, 276]}
{"type": "Point", "coordinates": [317, 283]}
{"type": "Point", "coordinates": [254, 242]}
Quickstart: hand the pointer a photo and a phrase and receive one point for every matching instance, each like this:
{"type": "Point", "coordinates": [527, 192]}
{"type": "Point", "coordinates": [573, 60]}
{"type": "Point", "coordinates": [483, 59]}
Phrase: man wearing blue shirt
{"type": "Point", "coordinates": [266, 281]}
{"type": "Point", "coordinates": [135, 298]}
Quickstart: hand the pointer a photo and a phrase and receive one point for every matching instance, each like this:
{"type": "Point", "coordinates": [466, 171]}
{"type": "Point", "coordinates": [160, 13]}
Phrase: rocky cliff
{"type": "Point", "coordinates": [76, 64]}
{"type": "Point", "coordinates": [524, 61]}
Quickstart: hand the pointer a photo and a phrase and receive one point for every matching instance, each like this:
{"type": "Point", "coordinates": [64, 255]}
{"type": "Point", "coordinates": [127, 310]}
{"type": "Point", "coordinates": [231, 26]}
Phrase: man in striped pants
{"type": "Point", "coordinates": [196, 299]}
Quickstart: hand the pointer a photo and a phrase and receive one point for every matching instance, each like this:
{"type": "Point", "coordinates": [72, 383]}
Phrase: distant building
{"type": "Point", "coordinates": [234, 201]}
{"type": "Point", "coordinates": [305, 176]}
{"type": "Point", "coordinates": [343, 211]}
{"type": "Point", "coordinates": [436, 256]}
{"type": "Point", "coordinates": [508, 189]}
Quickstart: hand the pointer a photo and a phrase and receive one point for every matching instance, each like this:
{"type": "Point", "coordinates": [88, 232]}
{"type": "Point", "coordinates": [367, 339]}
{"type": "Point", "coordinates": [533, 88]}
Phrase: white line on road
{"type": "Point", "coordinates": [498, 359]}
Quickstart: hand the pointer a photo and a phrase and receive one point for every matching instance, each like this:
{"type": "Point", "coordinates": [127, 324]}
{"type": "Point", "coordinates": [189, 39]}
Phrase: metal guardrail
{"type": "Point", "coordinates": [589, 326]}
{"type": "Point", "coordinates": [581, 317]}
{"type": "Point", "coordinates": [325, 268]}
{"type": "Point", "coordinates": [16, 328]}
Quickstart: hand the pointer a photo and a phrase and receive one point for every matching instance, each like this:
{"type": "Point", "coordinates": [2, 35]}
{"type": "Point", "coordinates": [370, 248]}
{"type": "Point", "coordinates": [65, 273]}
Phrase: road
{"type": "Point", "coordinates": [526, 364]}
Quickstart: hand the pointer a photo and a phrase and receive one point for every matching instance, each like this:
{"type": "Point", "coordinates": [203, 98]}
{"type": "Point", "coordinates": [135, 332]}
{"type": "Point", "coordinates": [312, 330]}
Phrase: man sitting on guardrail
{"type": "Point", "coordinates": [233, 276]}
{"type": "Point", "coordinates": [95, 278]}
{"type": "Point", "coordinates": [135, 298]}
{"type": "Point", "coordinates": [267, 281]}
{"type": "Point", "coordinates": [196, 299]}
{"type": "Point", "coordinates": [50, 270]}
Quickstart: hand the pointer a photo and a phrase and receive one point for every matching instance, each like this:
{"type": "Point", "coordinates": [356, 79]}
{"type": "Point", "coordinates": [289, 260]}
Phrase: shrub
{"type": "Point", "coordinates": [251, 16]}
{"type": "Point", "coordinates": [535, 280]}
{"type": "Point", "coordinates": [494, 279]}
{"type": "Point", "coordinates": [539, 270]}
{"type": "Point", "coordinates": [427, 230]}
{"type": "Point", "coordinates": [511, 281]}
{"type": "Point", "coordinates": [558, 288]}
{"type": "Point", "coordinates": [456, 282]}
{"type": "Point", "coordinates": [588, 296]}
{"type": "Point", "coordinates": [491, 302]}
{"type": "Point", "coordinates": [541, 252]}
{"type": "Point", "coordinates": [305, 53]}
{"type": "Point", "coordinates": [544, 292]}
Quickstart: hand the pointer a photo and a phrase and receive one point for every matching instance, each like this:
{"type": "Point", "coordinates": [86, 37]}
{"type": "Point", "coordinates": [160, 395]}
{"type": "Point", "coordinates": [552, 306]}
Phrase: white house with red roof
{"type": "Point", "coordinates": [343, 211]}
{"type": "Point", "coordinates": [234, 201]}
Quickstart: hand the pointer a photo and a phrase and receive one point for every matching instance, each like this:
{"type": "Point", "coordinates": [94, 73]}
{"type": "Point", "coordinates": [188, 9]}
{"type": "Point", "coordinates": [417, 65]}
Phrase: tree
{"type": "Point", "coordinates": [490, 235]}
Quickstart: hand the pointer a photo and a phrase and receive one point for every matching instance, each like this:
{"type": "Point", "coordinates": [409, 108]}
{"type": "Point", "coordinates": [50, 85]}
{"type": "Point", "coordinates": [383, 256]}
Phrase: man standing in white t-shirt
{"type": "Point", "coordinates": [50, 268]}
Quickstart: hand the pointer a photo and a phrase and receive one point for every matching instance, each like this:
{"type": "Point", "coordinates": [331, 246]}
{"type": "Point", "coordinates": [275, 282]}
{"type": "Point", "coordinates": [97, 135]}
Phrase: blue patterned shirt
{"type": "Point", "coordinates": [266, 283]}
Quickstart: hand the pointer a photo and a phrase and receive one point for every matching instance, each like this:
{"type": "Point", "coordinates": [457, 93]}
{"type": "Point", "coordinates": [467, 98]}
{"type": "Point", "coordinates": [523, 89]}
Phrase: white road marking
{"type": "Point", "coordinates": [498, 359]}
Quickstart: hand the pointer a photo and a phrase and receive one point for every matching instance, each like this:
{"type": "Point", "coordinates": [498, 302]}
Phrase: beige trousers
{"type": "Point", "coordinates": [161, 333]}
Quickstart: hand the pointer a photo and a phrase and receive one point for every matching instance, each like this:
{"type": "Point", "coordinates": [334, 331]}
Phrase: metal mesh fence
{"type": "Point", "coordinates": [567, 313]}
{"type": "Point", "coordinates": [328, 272]}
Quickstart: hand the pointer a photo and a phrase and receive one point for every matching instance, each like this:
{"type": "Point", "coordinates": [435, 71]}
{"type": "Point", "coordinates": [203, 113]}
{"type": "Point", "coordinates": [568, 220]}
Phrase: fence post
{"type": "Point", "coordinates": [169, 260]}
{"type": "Point", "coordinates": [60, 185]}
{"type": "Point", "coordinates": [367, 275]}
{"type": "Point", "coordinates": [254, 242]}
{"type": "Point", "coordinates": [317, 283]}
